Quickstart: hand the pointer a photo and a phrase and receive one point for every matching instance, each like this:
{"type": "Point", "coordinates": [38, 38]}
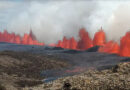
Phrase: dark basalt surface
{"type": "Point", "coordinates": [40, 62]}
{"type": "Point", "coordinates": [93, 49]}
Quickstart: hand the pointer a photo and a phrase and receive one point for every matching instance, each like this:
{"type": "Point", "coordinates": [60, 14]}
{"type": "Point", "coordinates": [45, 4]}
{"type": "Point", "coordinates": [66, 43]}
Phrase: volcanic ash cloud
{"type": "Point", "coordinates": [53, 20]}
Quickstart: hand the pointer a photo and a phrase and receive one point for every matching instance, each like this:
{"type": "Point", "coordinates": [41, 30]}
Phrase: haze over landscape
{"type": "Point", "coordinates": [51, 20]}
{"type": "Point", "coordinates": [64, 45]}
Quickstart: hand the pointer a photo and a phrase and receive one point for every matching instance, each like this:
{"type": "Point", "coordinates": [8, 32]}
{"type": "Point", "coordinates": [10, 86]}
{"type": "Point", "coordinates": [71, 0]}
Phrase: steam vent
{"type": "Point", "coordinates": [64, 45]}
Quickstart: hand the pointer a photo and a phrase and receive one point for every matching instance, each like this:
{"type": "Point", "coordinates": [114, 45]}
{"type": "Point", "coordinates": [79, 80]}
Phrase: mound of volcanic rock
{"type": "Point", "coordinates": [116, 78]}
{"type": "Point", "coordinates": [20, 69]}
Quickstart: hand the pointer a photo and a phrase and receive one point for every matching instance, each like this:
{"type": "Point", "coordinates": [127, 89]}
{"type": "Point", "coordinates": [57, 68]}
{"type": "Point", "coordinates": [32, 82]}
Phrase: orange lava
{"type": "Point", "coordinates": [110, 47]}
{"type": "Point", "coordinates": [85, 41]}
{"type": "Point", "coordinates": [73, 43]}
{"type": "Point", "coordinates": [125, 45]}
{"type": "Point", "coordinates": [27, 39]}
{"type": "Point", "coordinates": [99, 38]}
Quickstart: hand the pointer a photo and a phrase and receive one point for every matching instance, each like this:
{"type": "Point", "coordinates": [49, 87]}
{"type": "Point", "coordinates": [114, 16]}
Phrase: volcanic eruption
{"type": "Point", "coordinates": [85, 42]}
{"type": "Point", "coordinates": [27, 39]}
{"type": "Point", "coordinates": [125, 45]}
{"type": "Point", "coordinates": [99, 39]}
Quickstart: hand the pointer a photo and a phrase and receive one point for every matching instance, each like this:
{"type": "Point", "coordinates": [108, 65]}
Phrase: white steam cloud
{"type": "Point", "coordinates": [52, 20]}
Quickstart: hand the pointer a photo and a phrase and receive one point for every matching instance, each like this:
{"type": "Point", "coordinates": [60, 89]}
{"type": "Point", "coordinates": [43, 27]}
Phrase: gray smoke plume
{"type": "Point", "coordinates": [51, 20]}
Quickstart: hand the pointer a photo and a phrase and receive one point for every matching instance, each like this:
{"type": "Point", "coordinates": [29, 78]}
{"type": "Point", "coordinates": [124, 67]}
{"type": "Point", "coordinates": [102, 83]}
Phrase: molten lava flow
{"type": "Point", "coordinates": [125, 45]}
{"type": "Point", "coordinates": [99, 38]}
{"type": "Point", "coordinates": [60, 44]}
{"type": "Point", "coordinates": [52, 45]}
{"type": "Point", "coordinates": [85, 41]}
{"type": "Point", "coordinates": [7, 35]}
{"type": "Point", "coordinates": [65, 43]}
{"type": "Point", "coordinates": [72, 43]}
{"type": "Point", "coordinates": [17, 39]}
{"type": "Point", "coordinates": [27, 39]}
{"type": "Point", "coordinates": [110, 47]}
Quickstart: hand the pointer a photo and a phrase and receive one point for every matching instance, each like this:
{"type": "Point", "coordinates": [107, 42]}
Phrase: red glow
{"type": "Point", "coordinates": [110, 47]}
{"type": "Point", "coordinates": [52, 45]}
{"type": "Point", "coordinates": [99, 38]}
{"type": "Point", "coordinates": [65, 43]}
{"type": "Point", "coordinates": [72, 43]}
{"type": "Point", "coordinates": [27, 39]}
{"type": "Point", "coordinates": [60, 44]}
{"type": "Point", "coordinates": [125, 45]}
{"type": "Point", "coordinates": [85, 41]}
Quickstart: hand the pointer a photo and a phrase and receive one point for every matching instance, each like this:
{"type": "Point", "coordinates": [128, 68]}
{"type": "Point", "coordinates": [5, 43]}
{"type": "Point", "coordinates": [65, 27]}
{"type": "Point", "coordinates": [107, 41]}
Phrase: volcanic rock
{"type": "Point", "coordinates": [20, 69]}
{"type": "Point", "coordinates": [93, 80]}
{"type": "Point", "coordinates": [93, 49]}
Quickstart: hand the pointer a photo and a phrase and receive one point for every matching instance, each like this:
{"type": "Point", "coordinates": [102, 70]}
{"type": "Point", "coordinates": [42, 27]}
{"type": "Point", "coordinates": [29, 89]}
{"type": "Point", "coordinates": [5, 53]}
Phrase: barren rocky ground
{"type": "Point", "coordinates": [20, 69]}
{"type": "Point", "coordinates": [117, 78]}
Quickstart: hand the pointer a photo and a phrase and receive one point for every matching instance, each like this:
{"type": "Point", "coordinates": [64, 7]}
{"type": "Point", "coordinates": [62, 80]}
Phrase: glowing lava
{"type": "Point", "coordinates": [99, 38]}
{"type": "Point", "coordinates": [110, 47]}
{"type": "Point", "coordinates": [65, 43]}
{"type": "Point", "coordinates": [27, 39]}
{"type": "Point", "coordinates": [125, 45]}
{"type": "Point", "coordinates": [73, 43]}
{"type": "Point", "coordinates": [85, 41]}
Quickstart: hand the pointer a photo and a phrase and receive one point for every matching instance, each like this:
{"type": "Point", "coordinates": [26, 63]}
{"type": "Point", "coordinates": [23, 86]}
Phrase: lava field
{"type": "Point", "coordinates": [41, 64]}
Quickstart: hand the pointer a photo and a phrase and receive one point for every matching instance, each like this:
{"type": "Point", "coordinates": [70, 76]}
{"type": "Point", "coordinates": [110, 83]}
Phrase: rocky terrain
{"type": "Point", "coordinates": [29, 67]}
{"type": "Point", "coordinates": [20, 69]}
{"type": "Point", "coordinates": [116, 78]}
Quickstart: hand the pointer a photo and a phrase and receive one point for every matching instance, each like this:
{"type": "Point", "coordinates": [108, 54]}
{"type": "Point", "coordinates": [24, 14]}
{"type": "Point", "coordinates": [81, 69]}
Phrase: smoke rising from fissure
{"type": "Point", "coordinates": [52, 20]}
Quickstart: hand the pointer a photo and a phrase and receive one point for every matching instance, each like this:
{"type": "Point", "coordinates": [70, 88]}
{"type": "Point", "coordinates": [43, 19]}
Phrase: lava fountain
{"type": "Point", "coordinates": [99, 39]}
{"type": "Point", "coordinates": [27, 39]}
{"type": "Point", "coordinates": [85, 42]}
{"type": "Point", "coordinates": [125, 45]}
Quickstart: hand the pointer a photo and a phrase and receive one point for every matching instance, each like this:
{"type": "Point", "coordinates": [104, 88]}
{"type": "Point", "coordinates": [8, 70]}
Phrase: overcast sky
{"type": "Point", "coordinates": [53, 19]}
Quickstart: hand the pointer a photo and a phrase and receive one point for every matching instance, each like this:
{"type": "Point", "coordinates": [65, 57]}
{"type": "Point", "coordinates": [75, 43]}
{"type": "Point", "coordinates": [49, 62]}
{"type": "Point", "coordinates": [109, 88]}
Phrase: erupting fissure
{"type": "Point", "coordinates": [84, 43]}
{"type": "Point", "coordinates": [27, 39]}
{"type": "Point", "coordinates": [125, 45]}
{"type": "Point", "coordinates": [99, 39]}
